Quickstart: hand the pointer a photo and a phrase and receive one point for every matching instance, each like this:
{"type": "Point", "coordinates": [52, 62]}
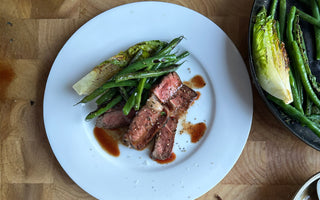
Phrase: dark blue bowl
{"type": "Point", "coordinates": [295, 127]}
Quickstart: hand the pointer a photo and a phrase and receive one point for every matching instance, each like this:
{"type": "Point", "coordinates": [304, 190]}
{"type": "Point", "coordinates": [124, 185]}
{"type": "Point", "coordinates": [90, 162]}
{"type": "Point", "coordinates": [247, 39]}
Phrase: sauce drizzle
{"type": "Point", "coordinates": [196, 131]}
{"type": "Point", "coordinates": [195, 82]}
{"type": "Point", "coordinates": [198, 96]}
{"type": "Point", "coordinates": [106, 141]}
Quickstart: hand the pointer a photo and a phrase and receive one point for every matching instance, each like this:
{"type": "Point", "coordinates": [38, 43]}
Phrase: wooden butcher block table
{"type": "Point", "coordinates": [273, 164]}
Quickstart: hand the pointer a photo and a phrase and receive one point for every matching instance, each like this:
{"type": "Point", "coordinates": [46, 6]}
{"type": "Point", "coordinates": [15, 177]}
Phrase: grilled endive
{"type": "Point", "coordinates": [270, 58]}
{"type": "Point", "coordinates": [105, 70]}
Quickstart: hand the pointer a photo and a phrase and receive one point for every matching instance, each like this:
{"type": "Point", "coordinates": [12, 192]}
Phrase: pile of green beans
{"type": "Point", "coordinates": [305, 107]}
{"type": "Point", "coordinates": [133, 82]}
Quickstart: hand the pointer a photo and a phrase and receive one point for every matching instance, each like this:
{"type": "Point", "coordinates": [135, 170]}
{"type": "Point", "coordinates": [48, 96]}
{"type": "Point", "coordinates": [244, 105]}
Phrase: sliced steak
{"type": "Point", "coordinates": [114, 118]}
{"type": "Point", "coordinates": [164, 140]}
{"type": "Point", "coordinates": [178, 104]}
{"type": "Point", "coordinates": [167, 87]}
{"type": "Point", "coordinates": [181, 100]}
{"type": "Point", "coordinates": [159, 116]}
{"type": "Point", "coordinates": [145, 124]}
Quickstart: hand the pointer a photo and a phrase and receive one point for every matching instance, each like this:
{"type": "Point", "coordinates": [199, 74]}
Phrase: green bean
{"type": "Point", "coordinates": [314, 82]}
{"type": "Point", "coordinates": [107, 96]}
{"type": "Point", "coordinates": [123, 93]}
{"type": "Point", "coordinates": [130, 103]}
{"type": "Point", "coordinates": [147, 62]}
{"type": "Point", "coordinates": [315, 110]}
{"type": "Point", "coordinates": [179, 57]}
{"type": "Point", "coordinates": [143, 78]}
{"type": "Point", "coordinates": [143, 81]}
{"type": "Point", "coordinates": [164, 51]}
{"type": "Point", "coordinates": [273, 8]}
{"type": "Point", "coordinates": [147, 74]}
{"type": "Point", "coordinates": [315, 118]}
{"type": "Point", "coordinates": [171, 46]}
{"type": "Point", "coordinates": [282, 17]}
{"type": "Point", "coordinates": [308, 110]}
{"type": "Point", "coordinates": [141, 84]}
{"type": "Point", "coordinates": [295, 114]}
{"type": "Point", "coordinates": [136, 57]}
{"type": "Point", "coordinates": [162, 65]}
{"type": "Point", "coordinates": [298, 60]}
{"type": "Point", "coordinates": [183, 55]}
{"type": "Point", "coordinates": [308, 18]}
{"type": "Point", "coordinates": [295, 27]}
{"type": "Point", "coordinates": [296, 97]}
{"type": "Point", "coordinates": [301, 43]}
{"type": "Point", "coordinates": [139, 93]}
{"type": "Point", "coordinates": [104, 109]}
{"type": "Point", "coordinates": [160, 48]}
{"type": "Point", "coordinates": [104, 87]}
{"type": "Point", "coordinates": [290, 20]}
{"type": "Point", "coordinates": [290, 39]}
{"type": "Point", "coordinates": [298, 36]}
{"type": "Point", "coordinates": [295, 72]}
{"type": "Point", "coordinates": [316, 14]}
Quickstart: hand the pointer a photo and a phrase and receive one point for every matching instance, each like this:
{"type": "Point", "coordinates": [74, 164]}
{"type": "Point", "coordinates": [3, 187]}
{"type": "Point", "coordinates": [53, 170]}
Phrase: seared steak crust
{"type": "Point", "coordinates": [145, 125]}
{"type": "Point", "coordinates": [164, 140]}
{"type": "Point", "coordinates": [114, 118]}
{"type": "Point", "coordinates": [181, 100]}
{"type": "Point", "coordinates": [167, 87]}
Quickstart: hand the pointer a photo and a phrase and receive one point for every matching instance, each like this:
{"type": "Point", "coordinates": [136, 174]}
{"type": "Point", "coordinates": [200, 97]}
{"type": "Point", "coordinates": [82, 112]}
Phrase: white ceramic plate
{"type": "Point", "coordinates": [225, 105]}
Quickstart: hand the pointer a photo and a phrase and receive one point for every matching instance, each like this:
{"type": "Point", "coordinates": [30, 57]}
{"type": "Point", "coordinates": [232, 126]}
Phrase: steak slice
{"type": "Point", "coordinates": [167, 87]}
{"type": "Point", "coordinates": [145, 124]}
{"type": "Point", "coordinates": [181, 100]}
{"type": "Point", "coordinates": [178, 104]}
{"type": "Point", "coordinates": [114, 118]}
{"type": "Point", "coordinates": [164, 140]}
{"type": "Point", "coordinates": [154, 118]}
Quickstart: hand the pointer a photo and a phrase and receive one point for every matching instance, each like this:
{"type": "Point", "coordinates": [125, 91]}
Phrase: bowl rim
{"type": "Point", "coordinates": [309, 181]}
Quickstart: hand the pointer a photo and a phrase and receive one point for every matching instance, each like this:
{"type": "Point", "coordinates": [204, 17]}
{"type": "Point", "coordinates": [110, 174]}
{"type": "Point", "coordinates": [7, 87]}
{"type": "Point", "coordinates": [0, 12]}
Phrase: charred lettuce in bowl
{"type": "Point", "coordinates": [270, 58]}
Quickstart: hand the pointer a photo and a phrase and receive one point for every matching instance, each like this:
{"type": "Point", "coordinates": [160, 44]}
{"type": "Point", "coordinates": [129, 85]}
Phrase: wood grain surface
{"type": "Point", "coordinates": [272, 166]}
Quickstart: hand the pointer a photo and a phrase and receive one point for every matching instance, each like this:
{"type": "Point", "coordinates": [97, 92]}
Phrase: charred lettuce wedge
{"type": "Point", "coordinates": [105, 70]}
{"type": "Point", "coordinates": [270, 58]}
